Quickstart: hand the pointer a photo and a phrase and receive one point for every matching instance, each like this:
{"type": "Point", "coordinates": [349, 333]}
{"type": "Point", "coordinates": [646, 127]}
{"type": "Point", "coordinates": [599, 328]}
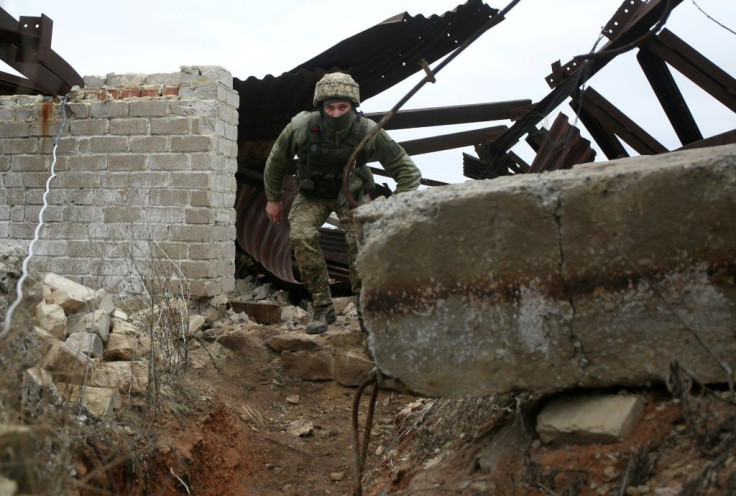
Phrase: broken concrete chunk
{"type": "Point", "coordinates": [556, 280]}
{"type": "Point", "coordinates": [589, 419]}
{"type": "Point", "coordinates": [300, 428]}
{"type": "Point", "coordinates": [69, 295]}
{"type": "Point", "coordinates": [96, 321]}
{"type": "Point", "coordinates": [86, 343]}
{"type": "Point", "coordinates": [51, 317]}
{"type": "Point", "coordinates": [98, 402]}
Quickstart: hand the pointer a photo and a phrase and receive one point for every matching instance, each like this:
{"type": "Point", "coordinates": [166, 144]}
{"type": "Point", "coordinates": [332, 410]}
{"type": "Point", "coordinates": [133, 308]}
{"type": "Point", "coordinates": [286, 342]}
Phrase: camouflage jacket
{"type": "Point", "coordinates": [294, 141]}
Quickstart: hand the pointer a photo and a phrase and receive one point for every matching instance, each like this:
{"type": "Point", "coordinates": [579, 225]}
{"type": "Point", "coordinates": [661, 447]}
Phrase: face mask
{"type": "Point", "coordinates": [341, 123]}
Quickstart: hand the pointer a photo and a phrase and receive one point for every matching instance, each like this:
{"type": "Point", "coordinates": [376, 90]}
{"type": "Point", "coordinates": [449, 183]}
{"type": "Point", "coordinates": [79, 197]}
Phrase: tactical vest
{"type": "Point", "coordinates": [322, 162]}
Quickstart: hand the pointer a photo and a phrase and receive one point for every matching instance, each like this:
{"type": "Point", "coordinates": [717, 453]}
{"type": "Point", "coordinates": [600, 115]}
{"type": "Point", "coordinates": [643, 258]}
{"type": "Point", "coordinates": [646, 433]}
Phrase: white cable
{"type": "Point", "coordinates": [24, 275]}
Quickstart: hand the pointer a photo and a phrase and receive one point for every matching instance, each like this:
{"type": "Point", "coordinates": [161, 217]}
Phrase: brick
{"type": "Point", "coordinates": [22, 230]}
{"type": "Point", "coordinates": [199, 216]}
{"type": "Point", "coordinates": [69, 230]}
{"type": "Point", "coordinates": [189, 233]}
{"type": "Point", "coordinates": [203, 288]}
{"type": "Point", "coordinates": [170, 90]}
{"type": "Point", "coordinates": [204, 125]}
{"type": "Point", "coordinates": [172, 78]}
{"type": "Point", "coordinates": [109, 109]}
{"type": "Point", "coordinates": [15, 129]}
{"type": "Point", "coordinates": [4, 164]}
{"type": "Point", "coordinates": [47, 129]}
{"type": "Point", "coordinates": [168, 161]}
{"type": "Point", "coordinates": [50, 248]}
{"type": "Point", "coordinates": [170, 125]}
{"type": "Point", "coordinates": [88, 127]}
{"type": "Point", "coordinates": [86, 163]}
{"type": "Point", "coordinates": [129, 79]}
{"type": "Point", "coordinates": [79, 110]}
{"type": "Point", "coordinates": [81, 181]}
{"type": "Point", "coordinates": [35, 179]}
{"type": "Point", "coordinates": [123, 214]}
{"type": "Point", "coordinates": [83, 214]}
{"type": "Point", "coordinates": [191, 143]}
{"type": "Point", "coordinates": [149, 109]}
{"type": "Point", "coordinates": [169, 197]}
{"type": "Point", "coordinates": [128, 126]}
{"type": "Point", "coordinates": [107, 144]}
{"type": "Point", "coordinates": [127, 163]}
{"type": "Point", "coordinates": [24, 163]}
{"type": "Point", "coordinates": [148, 144]}
{"type": "Point", "coordinates": [190, 180]}
{"type": "Point", "coordinates": [164, 215]}
{"type": "Point", "coordinates": [201, 199]}
{"type": "Point", "coordinates": [85, 248]}
{"type": "Point", "coordinates": [65, 145]}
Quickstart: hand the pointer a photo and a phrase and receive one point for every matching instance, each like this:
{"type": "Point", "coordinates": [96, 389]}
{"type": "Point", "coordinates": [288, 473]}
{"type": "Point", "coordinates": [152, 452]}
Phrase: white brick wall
{"type": "Point", "coordinates": [144, 161]}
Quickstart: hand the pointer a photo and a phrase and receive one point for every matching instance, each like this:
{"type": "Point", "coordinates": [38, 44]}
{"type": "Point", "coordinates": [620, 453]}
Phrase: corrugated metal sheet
{"type": "Point", "coordinates": [377, 58]}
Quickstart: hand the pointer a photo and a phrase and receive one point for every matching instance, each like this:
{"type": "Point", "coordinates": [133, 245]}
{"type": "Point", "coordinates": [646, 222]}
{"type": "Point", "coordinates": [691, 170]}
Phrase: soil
{"type": "Point", "coordinates": [224, 427]}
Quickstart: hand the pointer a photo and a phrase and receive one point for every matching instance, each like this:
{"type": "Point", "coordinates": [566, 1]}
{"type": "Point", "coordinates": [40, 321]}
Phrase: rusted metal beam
{"type": "Point", "coordinates": [25, 45]}
{"type": "Point", "coordinates": [693, 65]}
{"type": "Point", "coordinates": [624, 127]}
{"type": "Point", "coordinates": [669, 96]}
{"type": "Point", "coordinates": [604, 137]}
{"type": "Point", "coordinates": [454, 140]}
{"type": "Point", "coordinates": [460, 114]}
{"type": "Point", "coordinates": [562, 147]}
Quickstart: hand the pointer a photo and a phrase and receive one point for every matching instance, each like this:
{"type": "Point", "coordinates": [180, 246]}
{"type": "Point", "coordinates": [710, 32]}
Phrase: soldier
{"type": "Point", "coordinates": [323, 141]}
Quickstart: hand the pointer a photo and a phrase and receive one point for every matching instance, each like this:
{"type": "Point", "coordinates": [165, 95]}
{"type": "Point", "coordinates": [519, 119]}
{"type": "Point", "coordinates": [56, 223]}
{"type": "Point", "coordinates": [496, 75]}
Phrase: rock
{"type": "Point", "coordinates": [126, 342]}
{"type": "Point", "coordinates": [63, 362]}
{"type": "Point", "coordinates": [300, 428]}
{"type": "Point", "coordinates": [337, 476]}
{"type": "Point", "coordinates": [557, 280]}
{"type": "Point", "coordinates": [294, 342]}
{"type": "Point", "coordinates": [38, 390]}
{"type": "Point", "coordinates": [244, 345]}
{"type": "Point", "coordinates": [51, 318]}
{"type": "Point", "coordinates": [98, 402]}
{"type": "Point", "coordinates": [71, 296]}
{"type": "Point", "coordinates": [86, 343]}
{"type": "Point", "coordinates": [340, 338]}
{"type": "Point", "coordinates": [308, 365]}
{"type": "Point", "coordinates": [104, 301]}
{"type": "Point", "coordinates": [293, 399]}
{"type": "Point", "coordinates": [589, 419]}
{"type": "Point", "coordinates": [125, 377]}
{"type": "Point", "coordinates": [352, 367]}
{"type": "Point", "coordinates": [17, 448]}
{"type": "Point", "coordinates": [97, 322]}
{"type": "Point", "coordinates": [294, 315]}
{"type": "Point", "coordinates": [343, 304]}
{"type": "Point", "coordinates": [196, 323]}
{"type": "Point", "coordinates": [8, 487]}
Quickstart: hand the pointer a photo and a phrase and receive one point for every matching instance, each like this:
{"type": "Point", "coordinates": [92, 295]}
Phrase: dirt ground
{"type": "Point", "coordinates": [225, 428]}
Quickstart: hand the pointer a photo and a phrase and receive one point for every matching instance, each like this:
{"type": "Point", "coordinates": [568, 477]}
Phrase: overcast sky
{"type": "Point", "coordinates": [270, 37]}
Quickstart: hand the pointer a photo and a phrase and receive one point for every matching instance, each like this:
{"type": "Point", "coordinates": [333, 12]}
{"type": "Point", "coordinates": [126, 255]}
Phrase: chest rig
{"type": "Point", "coordinates": [322, 162]}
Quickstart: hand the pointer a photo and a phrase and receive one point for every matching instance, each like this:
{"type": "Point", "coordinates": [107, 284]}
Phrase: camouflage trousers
{"type": "Point", "coordinates": [305, 219]}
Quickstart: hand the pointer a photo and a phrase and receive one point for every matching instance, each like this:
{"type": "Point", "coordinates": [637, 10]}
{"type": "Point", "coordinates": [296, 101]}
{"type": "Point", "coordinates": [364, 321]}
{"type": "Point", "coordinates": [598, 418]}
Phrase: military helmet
{"type": "Point", "coordinates": [336, 85]}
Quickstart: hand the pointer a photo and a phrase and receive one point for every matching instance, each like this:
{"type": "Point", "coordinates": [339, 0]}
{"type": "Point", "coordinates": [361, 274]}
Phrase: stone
{"type": "Point", "coordinates": [300, 428]}
{"type": "Point", "coordinates": [125, 377]}
{"type": "Point", "coordinates": [126, 342]}
{"type": "Point", "coordinates": [38, 390]}
{"type": "Point", "coordinates": [248, 347]}
{"type": "Point", "coordinates": [196, 323]}
{"type": "Point", "coordinates": [63, 362]}
{"type": "Point", "coordinates": [97, 322]}
{"type": "Point", "coordinates": [585, 419]}
{"type": "Point", "coordinates": [294, 342]}
{"type": "Point", "coordinates": [70, 295]}
{"type": "Point", "coordinates": [51, 318]}
{"type": "Point", "coordinates": [343, 304]}
{"type": "Point", "coordinates": [86, 343]}
{"type": "Point", "coordinates": [352, 367]}
{"type": "Point", "coordinates": [293, 399]}
{"type": "Point", "coordinates": [308, 365]}
{"type": "Point", "coordinates": [8, 487]}
{"type": "Point", "coordinates": [98, 402]}
{"type": "Point", "coordinates": [294, 315]}
{"type": "Point", "coordinates": [556, 280]}
{"type": "Point", "coordinates": [344, 338]}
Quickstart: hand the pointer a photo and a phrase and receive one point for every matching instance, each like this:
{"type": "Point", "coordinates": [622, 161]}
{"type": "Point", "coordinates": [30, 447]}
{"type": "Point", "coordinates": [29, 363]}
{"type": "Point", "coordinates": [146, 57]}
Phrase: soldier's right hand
{"type": "Point", "coordinates": [274, 211]}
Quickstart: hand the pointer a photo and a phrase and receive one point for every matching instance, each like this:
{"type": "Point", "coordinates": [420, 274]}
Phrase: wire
{"type": "Point", "coordinates": [712, 19]}
{"type": "Point", "coordinates": [24, 274]}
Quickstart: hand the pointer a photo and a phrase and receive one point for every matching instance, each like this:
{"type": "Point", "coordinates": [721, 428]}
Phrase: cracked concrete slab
{"type": "Point", "coordinates": [600, 275]}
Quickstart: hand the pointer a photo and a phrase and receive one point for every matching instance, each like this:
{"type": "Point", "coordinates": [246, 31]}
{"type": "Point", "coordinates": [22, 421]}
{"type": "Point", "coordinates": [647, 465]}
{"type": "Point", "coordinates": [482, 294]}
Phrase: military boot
{"type": "Point", "coordinates": [321, 316]}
